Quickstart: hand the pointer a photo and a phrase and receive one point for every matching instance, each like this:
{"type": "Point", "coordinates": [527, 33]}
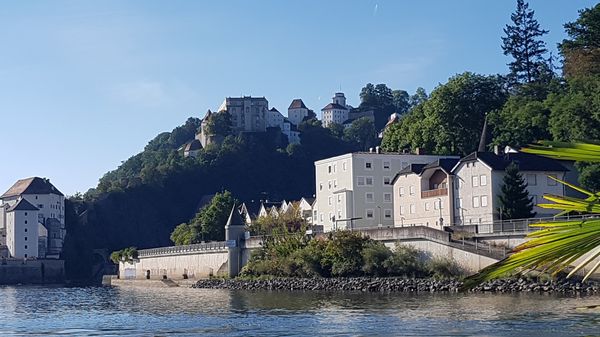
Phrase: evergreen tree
{"type": "Point", "coordinates": [522, 42]}
{"type": "Point", "coordinates": [515, 202]}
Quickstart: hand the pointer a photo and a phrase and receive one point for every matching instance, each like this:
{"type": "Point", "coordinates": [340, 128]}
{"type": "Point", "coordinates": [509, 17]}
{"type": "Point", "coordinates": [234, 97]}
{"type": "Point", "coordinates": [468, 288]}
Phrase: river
{"type": "Point", "coordinates": [34, 311]}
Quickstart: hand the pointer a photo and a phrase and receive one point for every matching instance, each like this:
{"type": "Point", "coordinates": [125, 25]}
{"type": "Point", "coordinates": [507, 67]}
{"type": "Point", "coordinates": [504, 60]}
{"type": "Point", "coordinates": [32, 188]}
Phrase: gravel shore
{"type": "Point", "coordinates": [390, 284]}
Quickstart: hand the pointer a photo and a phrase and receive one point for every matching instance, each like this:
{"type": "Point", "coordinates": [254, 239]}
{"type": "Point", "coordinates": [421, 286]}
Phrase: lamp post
{"type": "Point", "coordinates": [379, 207]}
{"type": "Point", "coordinates": [441, 217]}
{"type": "Point", "coordinates": [402, 221]}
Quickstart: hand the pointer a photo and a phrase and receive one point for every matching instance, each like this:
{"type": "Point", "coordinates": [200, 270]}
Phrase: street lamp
{"type": "Point", "coordinates": [402, 221]}
{"type": "Point", "coordinates": [441, 217]}
{"type": "Point", "coordinates": [379, 207]}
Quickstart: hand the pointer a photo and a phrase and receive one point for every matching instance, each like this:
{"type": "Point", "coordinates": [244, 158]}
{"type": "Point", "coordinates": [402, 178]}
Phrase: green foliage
{"type": "Point", "coordinates": [523, 42]}
{"type": "Point", "coordinates": [219, 124]}
{"type": "Point", "coordinates": [289, 221]}
{"type": "Point", "coordinates": [405, 261]}
{"type": "Point", "coordinates": [337, 130]}
{"type": "Point", "coordinates": [401, 101]}
{"type": "Point", "coordinates": [447, 121]}
{"type": "Point", "coordinates": [374, 255]}
{"type": "Point", "coordinates": [208, 224]}
{"type": "Point", "coordinates": [362, 132]}
{"type": "Point", "coordinates": [126, 255]}
{"type": "Point", "coordinates": [514, 199]}
{"type": "Point", "coordinates": [581, 51]}
{"type": "Point", "coordinates": [443, 267]}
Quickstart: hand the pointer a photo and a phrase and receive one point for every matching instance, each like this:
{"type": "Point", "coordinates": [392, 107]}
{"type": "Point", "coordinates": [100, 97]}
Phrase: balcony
{"type": "Point", "coordinates": [434, 193]}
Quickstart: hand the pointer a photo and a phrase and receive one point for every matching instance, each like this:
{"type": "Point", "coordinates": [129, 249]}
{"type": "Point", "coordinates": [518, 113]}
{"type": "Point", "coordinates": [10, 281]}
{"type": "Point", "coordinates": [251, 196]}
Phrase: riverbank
{"type": "Point", "coordinates": [375, 284]}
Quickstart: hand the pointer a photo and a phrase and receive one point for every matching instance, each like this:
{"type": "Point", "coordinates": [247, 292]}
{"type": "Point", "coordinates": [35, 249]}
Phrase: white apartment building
{"type": "Point", "coordinates": [354, 190]}
{"type": "Point", "coordinates": [465, 191]}
{"type": "Point", "coordinates": [26, 198]}
{"type": "Point", "coordinates": [422, 194]}
{"type": "Point", "coordinates": [337, 111]}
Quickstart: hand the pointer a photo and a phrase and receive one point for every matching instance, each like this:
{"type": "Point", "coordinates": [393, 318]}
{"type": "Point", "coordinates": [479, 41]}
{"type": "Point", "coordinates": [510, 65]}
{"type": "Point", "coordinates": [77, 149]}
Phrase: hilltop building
{"type": "Point", "coordinates": [337, 111]}
{"type": "Point", "coordinates": [297, 111]}
{"type": "Point", "coordinates": [32, 219]}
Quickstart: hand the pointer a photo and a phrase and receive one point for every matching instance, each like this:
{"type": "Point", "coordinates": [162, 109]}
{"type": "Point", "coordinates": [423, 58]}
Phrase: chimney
{"type": "Point", "coordinates": [419, 151]}
{"type": "Point", "coordinates": [370, 150]}
{"type": "Point", "coordinates": [377, 149]}
{"type": "Point", "coordinates": [497, 150]}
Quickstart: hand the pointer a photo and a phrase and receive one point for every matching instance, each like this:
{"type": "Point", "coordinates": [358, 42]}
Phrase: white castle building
{"type": "Point", "coordinates": [32, 219]}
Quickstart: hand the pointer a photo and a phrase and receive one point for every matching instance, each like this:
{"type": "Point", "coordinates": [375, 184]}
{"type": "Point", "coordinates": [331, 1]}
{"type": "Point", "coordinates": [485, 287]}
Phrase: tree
{"type": "Point", "coordinates": [337, 130]}
{"type": "Point", "coordinates": [379, 98]}
{"type": "Point", "coordinates": [520, 122]}
{"type": "Point", "coordinates": [514, 199]}
{"type": "Point", "coordinates": [581, 52]}
{"type": "Point", "coordinates": [361, 131]}
{"type": "Point", "coordinates": [219, 124]}
{"type": "Point", "coordinates": [419, 97]}
{"type": "Point", "coordinates": [447, 122]}
{"type": "Point", "coordinates": [523, 43]}
{"type": "Point", "coordinates": [401, 101]}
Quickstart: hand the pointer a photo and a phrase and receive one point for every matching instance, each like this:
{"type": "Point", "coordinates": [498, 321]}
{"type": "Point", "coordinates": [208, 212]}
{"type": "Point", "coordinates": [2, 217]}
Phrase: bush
{"type": "Point", "coordinates": [374, 255]}
{"type": "Point", "coordinates": [405, 261]}
{"type": "Point", "coordinates": [343, 253]}
{"type": "Point", "coordinates": [443, 267]}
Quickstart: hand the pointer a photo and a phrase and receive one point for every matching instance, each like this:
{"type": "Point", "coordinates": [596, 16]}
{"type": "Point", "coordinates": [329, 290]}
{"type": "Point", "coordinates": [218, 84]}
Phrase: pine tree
{"type": "Point", "coordinates": [515, 202]}
{"type": "Point", "coordinates": [522, 42]}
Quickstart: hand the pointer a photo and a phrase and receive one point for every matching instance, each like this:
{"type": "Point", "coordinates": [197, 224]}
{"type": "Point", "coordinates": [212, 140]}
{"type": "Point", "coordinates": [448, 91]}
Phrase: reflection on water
{"type": "Point", "coordinates": [190, 312]}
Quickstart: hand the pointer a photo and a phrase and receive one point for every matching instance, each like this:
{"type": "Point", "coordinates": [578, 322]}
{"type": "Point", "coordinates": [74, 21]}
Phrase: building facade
{"type": "Point", "coordinates": [337, 111]}
{"type": "Point", "coordinates": [248, 114]}
{"type": "Point", "coordinates": [297, 111]}
{"type": "Point", "coordinates": [355, 190]}
{"type": "Point", "coordinates": [465, 191]}
{"type": "Point", "coordinates": [26, 198]}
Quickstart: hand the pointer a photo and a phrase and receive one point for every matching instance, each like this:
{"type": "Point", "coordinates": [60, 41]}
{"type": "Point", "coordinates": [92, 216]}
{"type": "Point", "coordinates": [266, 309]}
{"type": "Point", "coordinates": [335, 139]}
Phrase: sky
{"type": "Point", "coordinates": [84, 85]}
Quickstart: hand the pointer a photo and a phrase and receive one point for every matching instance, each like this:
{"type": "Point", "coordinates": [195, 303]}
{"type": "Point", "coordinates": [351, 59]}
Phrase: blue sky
{"type": "Point", "coordinates": [85, 85]}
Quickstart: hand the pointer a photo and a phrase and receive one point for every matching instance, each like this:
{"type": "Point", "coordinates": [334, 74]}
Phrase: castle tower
{"type": "Point", "coordinates": [234, 235]}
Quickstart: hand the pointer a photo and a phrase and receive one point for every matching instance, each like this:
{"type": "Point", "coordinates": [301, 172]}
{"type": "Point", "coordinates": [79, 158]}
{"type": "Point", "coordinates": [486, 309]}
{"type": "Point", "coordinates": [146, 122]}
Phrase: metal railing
{"type": "Point", "coordinates": [524, 225]}
{"type": "Point", "coordinates": [184, 249]}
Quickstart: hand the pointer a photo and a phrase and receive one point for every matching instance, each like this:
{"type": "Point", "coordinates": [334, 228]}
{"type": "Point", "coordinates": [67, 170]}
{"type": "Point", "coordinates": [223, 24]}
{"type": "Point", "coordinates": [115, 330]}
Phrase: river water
{"type": "Point", "coordinates": [34, 311]}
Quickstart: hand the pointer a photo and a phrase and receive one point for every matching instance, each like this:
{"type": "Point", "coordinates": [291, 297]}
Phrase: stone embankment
{"type": "Point", "coordinates": [366, 284]}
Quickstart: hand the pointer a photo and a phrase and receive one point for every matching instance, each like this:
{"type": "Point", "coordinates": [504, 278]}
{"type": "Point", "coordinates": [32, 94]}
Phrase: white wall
{"type": "Point", "coordinates": [198, 265]}
{"type": "Point", "coordinates": [22, 234]}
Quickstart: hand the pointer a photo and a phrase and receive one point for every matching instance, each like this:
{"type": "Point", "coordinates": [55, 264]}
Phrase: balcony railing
{"type": "Point", "coordinates": [434, 193]}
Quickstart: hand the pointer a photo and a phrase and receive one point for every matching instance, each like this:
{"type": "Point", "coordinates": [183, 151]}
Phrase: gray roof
{"type": "Point", "coordinates": [525, 161]}
{"type": "Point", "coordinates": [22, 205]}
{"type": "Point", "coordinates": [297, 104]}
{"type": "Point", "coordinates": [446, 164]}
{"type": "Point", "coordinates": [332, 106]}
{"type": "Point", "coordinates": [235, 218]}
{"type": "Point", "coordinates": [34, 185]}
{"type": "Point", "coordinates": [410, 169]}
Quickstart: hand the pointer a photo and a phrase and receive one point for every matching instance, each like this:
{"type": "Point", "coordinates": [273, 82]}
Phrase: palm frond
{"type": "Point", "coordinates": [558, 245]}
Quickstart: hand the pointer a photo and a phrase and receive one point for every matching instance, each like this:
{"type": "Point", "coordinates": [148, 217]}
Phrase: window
{"type": "Point", "coordinates": [387, 180]}
{"type": "Point", "coordinates": [387, 213]}
{"type": "Point", "coordinates": [368, 165]}
{"type": "Point", "coordinates": [369, 181]}
{"type": "Point", "coordinates": [329, 169]}
{"type": "Point", "coordinates": [483, 180]}
{"type": "Point", "coordinates": [329, 184]}
{"type": "Point", "coordinates": [412, 209]}
{"type": "Point", "coordinates": [401, 191]}
{"type": "Point", "coordinates": [474, 181]}
{"type": "Point", "coordinates": [329, 201]}
{"type": "Point", "coordinates": [401, 210]}
{"type": "Point", "coordinates": [386, 165]}
{"type": "Point", "coordinates": [25, 238]}
{"type": "Point", "coordinates": [25, 230]}
{"type": "Point", "coordinates": [344, 166]}
{"type": "Point", "coordinates": [26, 222]}
{"type": "Point", "coordinates": [427, 206]}
{"type": "Point", "coordinates": [321, 217]}
{"type": "Point", "coordinates": [458, 203]}
{"type": "Point", "coordinates": [320, 186]}
{"type": "Point", "coordinates": [334, 183]}
{"type": "Point", "coordinates": [339, 198]}
{"type": "Point", "coordinates": [484, 201]}
{"type": "Point", "coordinates": [475, 202]}
{"type": "Point", "coordinates": [441, 204]}
{"type": "Point", "coordinates": [334, 168]}
{"type": "Point", "coordinates": [369, 214]}
{"type": "Point", "coordinates": [331, 217]}
{"type": "Point", "coordinates": [436, 204]}
{"type": "Point", "coordinates": [360, 181]}
{"type": "Point", "coordinates": [531, 180]}
{"type": "Point", "coordinates": [411, 190]}
{"type": "Point", "coordinates": [550, 181]}
{"type": "Point", "coordinates": [339, 214]}
{"type": "Point", "coordinates": [457, 184]}
{"type": "Point", "coordinates": [25, 213]}
{"type": "Point", "coordinates": [387, 197]}
{"type": "Point", "coordinates": [25, 246]}
{"type": "Point", "coordinates": [369, 197]}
